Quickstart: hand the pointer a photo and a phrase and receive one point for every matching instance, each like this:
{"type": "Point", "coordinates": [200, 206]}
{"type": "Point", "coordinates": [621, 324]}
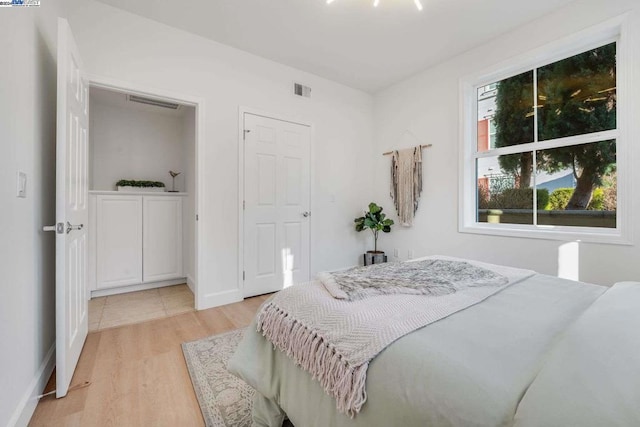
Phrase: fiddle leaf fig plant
{"type": "Point", "coordinates": [374, 220]}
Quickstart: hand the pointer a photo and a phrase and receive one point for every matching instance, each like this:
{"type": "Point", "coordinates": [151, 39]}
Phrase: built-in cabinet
{"type": "Point", "coordinates": [118, 241]}
{"type": "Point", "coordinates": [138, 239]}
{"type": "Point", "coordinates": [161, 238]}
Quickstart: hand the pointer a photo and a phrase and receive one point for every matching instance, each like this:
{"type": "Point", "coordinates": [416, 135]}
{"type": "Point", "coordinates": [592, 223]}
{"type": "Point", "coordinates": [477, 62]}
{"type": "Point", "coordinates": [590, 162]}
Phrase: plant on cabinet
{"type": "Point", "coordinates": [138, 185]}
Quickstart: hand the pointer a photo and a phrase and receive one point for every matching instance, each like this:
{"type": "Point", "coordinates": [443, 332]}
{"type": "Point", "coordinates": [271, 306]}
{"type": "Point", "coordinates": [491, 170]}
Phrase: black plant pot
{"type": "Point", "coordinates": [374, 257]}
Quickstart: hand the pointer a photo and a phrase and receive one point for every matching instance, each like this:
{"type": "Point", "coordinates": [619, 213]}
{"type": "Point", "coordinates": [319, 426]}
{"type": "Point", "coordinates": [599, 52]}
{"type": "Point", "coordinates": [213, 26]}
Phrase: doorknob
{"type": "Point", "coordinates": [306, 214]}
{"type": "Point", "coordinates": [58, 228]}
{"type": "Point", "coordinates": [73, 227]}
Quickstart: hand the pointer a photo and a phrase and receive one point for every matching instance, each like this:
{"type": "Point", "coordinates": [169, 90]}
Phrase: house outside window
{"type": "Point", "coordinates": [542, 158]}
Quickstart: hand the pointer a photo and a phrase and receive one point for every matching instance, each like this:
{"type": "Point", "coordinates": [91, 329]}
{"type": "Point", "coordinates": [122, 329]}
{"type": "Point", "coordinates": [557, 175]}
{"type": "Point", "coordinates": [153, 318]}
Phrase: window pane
{"type": "Point", "coordinates": [578, 95]}
{"type": "Point", "coordinates": [501, 197]}
{"type": "Point", "coordinates": [586, 197]}
{"type": "Point", "coordinates": [505, 109]}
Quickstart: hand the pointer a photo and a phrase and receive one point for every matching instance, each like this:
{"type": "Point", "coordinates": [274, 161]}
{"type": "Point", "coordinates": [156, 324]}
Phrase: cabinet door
{"type": "Point", "coordinates": [162, 247]}
{"type": "Point", "coordinates": [118, 241]}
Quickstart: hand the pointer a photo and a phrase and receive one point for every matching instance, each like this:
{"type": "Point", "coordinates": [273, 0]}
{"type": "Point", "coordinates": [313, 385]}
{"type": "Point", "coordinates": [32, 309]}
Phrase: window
{"type": "Point", "coordinates": [542, 148]}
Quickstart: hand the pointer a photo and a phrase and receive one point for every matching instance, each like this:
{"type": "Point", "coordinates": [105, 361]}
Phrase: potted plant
{"type": "Point", "coordinates": [376, 221]}
{"type": "Point", "coordinates": [135, 185]}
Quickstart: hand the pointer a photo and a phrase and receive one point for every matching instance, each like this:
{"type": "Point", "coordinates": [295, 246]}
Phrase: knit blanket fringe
{"type": "Point", "coordinates": [313, 353]}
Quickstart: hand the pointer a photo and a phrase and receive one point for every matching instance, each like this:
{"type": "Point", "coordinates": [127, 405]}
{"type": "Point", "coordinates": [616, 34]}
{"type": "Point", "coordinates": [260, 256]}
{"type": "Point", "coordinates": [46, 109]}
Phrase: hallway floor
{"type": "Point", "coordinates": [135, 307]}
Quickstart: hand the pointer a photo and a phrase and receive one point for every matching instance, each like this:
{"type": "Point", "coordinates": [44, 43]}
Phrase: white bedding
{"type": "Point", "coordinates": [335, 338]}
{"type": "Point", "coordinates": [470, 369]}
{"type": "Point", "coordinates": [591, 378]}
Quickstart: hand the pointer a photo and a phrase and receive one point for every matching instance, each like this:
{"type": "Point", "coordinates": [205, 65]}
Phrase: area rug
{"type": "Point", "coordinates": [225, 400]}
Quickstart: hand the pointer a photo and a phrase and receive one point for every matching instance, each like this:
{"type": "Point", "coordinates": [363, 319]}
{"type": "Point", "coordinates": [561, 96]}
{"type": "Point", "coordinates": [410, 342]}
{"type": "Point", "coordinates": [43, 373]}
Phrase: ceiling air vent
{"type": "Point", "coordinates": [302, 90]}
{"type": "Point", "coordinates": [154, 102]}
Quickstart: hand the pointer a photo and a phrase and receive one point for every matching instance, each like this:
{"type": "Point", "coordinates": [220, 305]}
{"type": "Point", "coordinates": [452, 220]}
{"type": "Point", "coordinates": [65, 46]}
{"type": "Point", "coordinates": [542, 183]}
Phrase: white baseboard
{"type": "Point", "coordinates": [29, 401]}
{"type": "Point", "coordinates": [219, 298]}
{"type": "Point", "coordinates": [191, 284]}
{"type": "Point", "coordinates": [133, 288]}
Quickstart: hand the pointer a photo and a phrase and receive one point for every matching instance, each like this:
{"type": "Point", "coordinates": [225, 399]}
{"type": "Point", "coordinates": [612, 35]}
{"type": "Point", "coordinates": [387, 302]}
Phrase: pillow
{"type": "Point", "coordinates": [592, 376]}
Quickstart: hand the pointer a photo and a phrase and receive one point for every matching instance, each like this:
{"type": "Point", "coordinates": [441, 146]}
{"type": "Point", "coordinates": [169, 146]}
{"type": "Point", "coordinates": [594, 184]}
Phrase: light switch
{"type": "Point", "coordinates": [22, 185]}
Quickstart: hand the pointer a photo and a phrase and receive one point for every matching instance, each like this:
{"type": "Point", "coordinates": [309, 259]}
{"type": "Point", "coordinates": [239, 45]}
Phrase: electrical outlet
{"type": "Point", "coordinates": [410, 254]}
{"type": "Point", "coordinates": [396, 253]}
{"type": "Point", "coordinates": [22, 185]}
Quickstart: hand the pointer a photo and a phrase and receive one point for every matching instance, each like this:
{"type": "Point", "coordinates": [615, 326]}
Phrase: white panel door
{"type": "Point", "coordinates": [162, 242]}
{"type": "Point", "coordinates": [118, 241]}
{"type": "Point", "coordinates": [276, 204]}
{"type": "Point", "coordinates": [71, 209]}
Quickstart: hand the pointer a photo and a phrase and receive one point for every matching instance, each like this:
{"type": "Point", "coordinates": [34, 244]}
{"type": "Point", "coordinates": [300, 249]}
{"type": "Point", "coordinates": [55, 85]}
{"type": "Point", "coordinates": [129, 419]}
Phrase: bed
{"type": "Point", "coordinates": [508, 360]}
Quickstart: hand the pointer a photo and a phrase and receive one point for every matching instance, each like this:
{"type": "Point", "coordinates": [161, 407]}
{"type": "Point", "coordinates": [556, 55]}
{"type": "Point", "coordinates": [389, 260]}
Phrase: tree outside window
{"type": "Point", "coordinates": [543, 124]}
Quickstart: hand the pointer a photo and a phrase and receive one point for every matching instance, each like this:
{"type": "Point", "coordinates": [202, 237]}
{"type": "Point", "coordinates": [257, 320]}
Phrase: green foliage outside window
{"type": "Point", "coordinates": [576, 96]}
{"type": "Point", "coordinates": [559, 198]}
{"type": "Point", "coordinates": [514, 198]}
{"type": "Point", "coordinates": [603, 199]}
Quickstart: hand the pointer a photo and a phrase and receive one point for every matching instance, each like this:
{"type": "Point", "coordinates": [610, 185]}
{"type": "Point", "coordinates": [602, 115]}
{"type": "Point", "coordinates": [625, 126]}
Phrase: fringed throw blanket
{"type": "Point", "coordinates": [406, 182]}
{"type": "Point", "coordinates": [426, 277]}
{"type": "Point", "coordinates": [335, 339]}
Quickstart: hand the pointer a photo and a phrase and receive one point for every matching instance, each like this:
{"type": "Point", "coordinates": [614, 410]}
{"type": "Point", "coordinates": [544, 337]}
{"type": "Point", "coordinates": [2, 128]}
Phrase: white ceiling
{"type": "Point", "coordinates": [348, 41]}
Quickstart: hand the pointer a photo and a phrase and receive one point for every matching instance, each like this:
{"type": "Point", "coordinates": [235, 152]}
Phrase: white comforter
{"type": "Point", "coordinates": [470, 369]}
{"type": "Point", "coordinates": [591, 378]}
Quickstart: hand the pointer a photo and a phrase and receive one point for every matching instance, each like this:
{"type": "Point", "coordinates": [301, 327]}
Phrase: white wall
{"type": "Point", "coordinates": [27, 138]}
{"type": "Point", "coordinates": [126, 47]}
{"type": "Point", "coordinates": [428, 105]}
{"type": "Point", "coordinates": [134, 143]}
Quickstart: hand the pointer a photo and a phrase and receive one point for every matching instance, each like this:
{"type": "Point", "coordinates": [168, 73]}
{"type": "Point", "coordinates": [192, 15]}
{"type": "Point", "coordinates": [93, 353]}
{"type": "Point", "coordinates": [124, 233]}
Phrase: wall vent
{"type": "Point", "coordinates": [302, 90]}
{"type": "Point", "coordinates": [154, 102]}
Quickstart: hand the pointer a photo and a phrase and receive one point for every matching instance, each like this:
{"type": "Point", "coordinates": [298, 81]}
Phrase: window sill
{"type": "Point", "coordinates": [549, 232]}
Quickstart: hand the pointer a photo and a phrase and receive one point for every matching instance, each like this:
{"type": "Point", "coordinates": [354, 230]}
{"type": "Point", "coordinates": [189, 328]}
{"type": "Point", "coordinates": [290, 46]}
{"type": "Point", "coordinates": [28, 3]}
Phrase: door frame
{"type": "Point", "coordinates": [198, 103]}
{"type": "Point", "coordinates": [242, 110]}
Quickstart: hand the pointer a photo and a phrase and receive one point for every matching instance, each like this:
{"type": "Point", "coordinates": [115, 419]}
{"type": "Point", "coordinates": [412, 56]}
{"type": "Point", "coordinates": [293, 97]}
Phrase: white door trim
{"type": "Point", "coordinates": [104, 82]}
{"type": "Point", "coordinates": [242, 110]}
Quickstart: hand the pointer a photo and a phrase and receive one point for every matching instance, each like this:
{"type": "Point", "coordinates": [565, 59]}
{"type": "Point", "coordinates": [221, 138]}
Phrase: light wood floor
{"type": "Point", "coordinates": [137, 373]}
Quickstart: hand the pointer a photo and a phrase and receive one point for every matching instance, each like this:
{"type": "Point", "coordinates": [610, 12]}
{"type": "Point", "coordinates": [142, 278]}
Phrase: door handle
{"type": "Point", "coordinates": [73, 227]}
{"type": "Point", "coordinates": [306, 214]}
{"type": "Point", "coordinates": [58, 228]}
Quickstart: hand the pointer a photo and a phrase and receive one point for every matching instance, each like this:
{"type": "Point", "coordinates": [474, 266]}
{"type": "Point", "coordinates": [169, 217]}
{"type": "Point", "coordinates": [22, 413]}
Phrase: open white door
{"type": "Point", "coordinates": [71, 209]}
{"type": "Point", "coordinates": [276, 204]}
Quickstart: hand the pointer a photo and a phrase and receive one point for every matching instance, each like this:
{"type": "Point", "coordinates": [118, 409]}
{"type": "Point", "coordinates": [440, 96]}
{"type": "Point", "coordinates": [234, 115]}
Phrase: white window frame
{"type": "Point", "coordinates": [607, 32]}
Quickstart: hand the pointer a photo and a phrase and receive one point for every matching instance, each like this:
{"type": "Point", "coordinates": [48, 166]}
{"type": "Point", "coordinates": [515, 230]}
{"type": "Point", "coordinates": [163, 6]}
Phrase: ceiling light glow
{"type": "Point", "coordinates": [418, 3]}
